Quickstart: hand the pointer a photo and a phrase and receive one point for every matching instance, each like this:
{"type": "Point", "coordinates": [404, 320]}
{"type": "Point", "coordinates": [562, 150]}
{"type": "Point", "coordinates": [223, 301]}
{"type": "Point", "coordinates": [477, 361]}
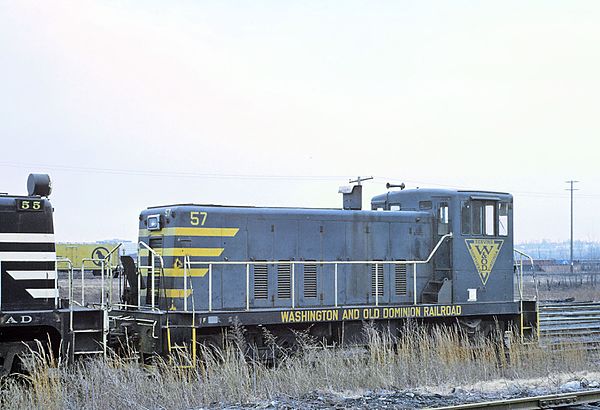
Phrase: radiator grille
{"type": "Point", "coordinates": [310, 280]}
{"type": "Point", "coordinates": [284, 275]}
{"type": "Point", "coordinates": [156, 242]}
{"type": "Point", "coordinates": [261, 281]}
{"type": "Point", "coordinates": [400, 282]}
{"type": "Point", "coordinates": [377, 280]}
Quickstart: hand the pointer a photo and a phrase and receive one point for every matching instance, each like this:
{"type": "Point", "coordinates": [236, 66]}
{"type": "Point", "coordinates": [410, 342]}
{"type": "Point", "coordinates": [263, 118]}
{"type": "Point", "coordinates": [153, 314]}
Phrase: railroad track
{"type": "Point", "coordinates": [551, 401]}
{"type": "Point", "coordinates": [576, 324]}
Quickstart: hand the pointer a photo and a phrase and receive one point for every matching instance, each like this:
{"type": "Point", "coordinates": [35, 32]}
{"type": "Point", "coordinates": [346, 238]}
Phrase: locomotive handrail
{"type": "Point", "coordinates": [105, 269]}
{"type": "Point", "coordinates": [520, 266]}
{"type": "Point", "coordinates": [520, 262]}
{"type": "Point", "coordinates": [188, 264]}
{"type": "Point", "coordinates": [70, 279]}
{"type": "Point", "coordinates": [152, 267]}
{"type": "Point", "coordinates": [109, 267]}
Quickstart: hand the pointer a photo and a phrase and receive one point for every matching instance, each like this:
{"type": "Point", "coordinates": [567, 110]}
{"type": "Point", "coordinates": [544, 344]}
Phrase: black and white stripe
{"type": "Point", "coordinates": [30, 260]}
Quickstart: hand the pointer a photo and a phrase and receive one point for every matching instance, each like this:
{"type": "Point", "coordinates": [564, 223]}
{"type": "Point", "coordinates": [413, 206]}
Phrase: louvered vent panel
{"type": "Point", "coordinates": [261, 281]}
{"type": "Point", "coordinates": [400, 281]}
{"type": "Point", "coordinates": [310, 280]}
{"type": "Point", "coordinates": [284, 276]}
{"type": "Point", "coordinates": [377, 282]}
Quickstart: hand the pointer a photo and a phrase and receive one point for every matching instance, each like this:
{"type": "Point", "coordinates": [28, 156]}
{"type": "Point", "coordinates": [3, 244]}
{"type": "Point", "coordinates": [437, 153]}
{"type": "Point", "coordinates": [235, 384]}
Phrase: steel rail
{"type": "Point", "coordinates": [550, 401]}
{"type": "Point", "coordinates": [572, 324]}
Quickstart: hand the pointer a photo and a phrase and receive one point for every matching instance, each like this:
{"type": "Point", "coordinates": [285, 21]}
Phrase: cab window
{"type": "Point", "coordinates": [489, 218]}
{"type": "Point", "coordinates": [424, 205]}
{"type": "Point", "coordinates": [476, 217]}
{"type": "Point", "coordinates": [465, 218]}
{"type": "Point", "coordinates": [503, 218]}
{"type": "Point", "coordinates": [443, 219]}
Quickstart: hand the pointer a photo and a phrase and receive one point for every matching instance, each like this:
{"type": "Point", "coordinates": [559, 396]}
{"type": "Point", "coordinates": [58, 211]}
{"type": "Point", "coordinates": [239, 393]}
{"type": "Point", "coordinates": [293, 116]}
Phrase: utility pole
{"type": "Point", "coordinates": [571, 189]}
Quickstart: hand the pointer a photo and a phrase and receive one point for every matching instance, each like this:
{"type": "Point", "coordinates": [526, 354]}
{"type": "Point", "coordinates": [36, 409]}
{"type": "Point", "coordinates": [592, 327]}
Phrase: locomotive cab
{"type": "Point", "coordinates": [477, 264]}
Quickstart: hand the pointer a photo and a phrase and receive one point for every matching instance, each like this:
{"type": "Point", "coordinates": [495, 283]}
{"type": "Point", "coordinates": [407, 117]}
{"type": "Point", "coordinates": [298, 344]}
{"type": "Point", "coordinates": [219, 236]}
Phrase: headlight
{"type": "Point", "coordinates": [153, 222]}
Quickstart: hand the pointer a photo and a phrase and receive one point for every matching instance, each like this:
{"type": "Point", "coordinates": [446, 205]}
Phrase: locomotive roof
{"type": "Point", "coordinates": [431, 192]}
{"type": "Point", "coordinates": [240, 206]}
{"type": "Point", "coordinates": [406, 193]}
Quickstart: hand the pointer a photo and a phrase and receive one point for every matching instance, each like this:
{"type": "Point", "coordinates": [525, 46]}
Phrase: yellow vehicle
{"type": "Point", "coordinates": [87, 255]}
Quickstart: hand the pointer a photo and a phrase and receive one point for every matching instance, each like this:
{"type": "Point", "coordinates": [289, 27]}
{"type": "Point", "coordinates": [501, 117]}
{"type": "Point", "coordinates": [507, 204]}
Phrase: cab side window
{"type": "Point", "coordinates": [443, 219]}
{"type": "Point", "coordinates": [489, 218]}
{"type": "Point", "coordinates": [465, 218]}
{"type": "Point", "coordinates": [476, 217]}
{"type": "Point", "coordinates": [503, 218]}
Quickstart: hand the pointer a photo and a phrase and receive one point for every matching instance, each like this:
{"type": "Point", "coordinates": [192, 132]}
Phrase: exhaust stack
{"type": "Point", "coordinates": [352, 195]}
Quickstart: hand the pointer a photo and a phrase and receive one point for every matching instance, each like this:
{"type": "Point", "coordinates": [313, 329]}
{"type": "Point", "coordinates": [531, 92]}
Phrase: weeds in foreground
{"type": "Point", "coordinates": [417, 357]}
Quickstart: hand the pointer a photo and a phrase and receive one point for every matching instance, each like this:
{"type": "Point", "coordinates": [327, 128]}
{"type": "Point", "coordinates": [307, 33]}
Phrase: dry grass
{"type": "Point", "coordinates": [438, 357]}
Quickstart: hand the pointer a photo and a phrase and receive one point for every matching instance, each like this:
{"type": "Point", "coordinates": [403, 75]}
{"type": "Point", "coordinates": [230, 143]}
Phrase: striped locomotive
{"type": "Point", "coordinates": [30, 308]}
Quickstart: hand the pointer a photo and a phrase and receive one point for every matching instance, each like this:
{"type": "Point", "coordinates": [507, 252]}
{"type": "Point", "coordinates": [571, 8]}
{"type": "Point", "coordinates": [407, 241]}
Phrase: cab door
{"type": "Point", "coordinates": [483, 249]}
{"type": "Point", "coordinates": [442, 259]}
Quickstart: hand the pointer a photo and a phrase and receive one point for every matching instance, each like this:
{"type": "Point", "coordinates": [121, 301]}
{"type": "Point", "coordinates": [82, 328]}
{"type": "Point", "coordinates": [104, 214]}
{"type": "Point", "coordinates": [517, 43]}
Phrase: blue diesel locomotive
{"type": "Point", "coordinates": [429, 254]}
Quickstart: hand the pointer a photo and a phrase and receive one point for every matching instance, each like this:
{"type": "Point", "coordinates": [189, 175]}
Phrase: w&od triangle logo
{"type": "Point", "coordinates": [484, 253]}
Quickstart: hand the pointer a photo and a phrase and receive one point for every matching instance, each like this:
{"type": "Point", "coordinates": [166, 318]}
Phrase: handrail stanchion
{"type": "Point", "coordinates": [71, 297]}
{"type": "Point", "coordinates": [56, 280]}
{"type": "Point", "coordinates": [139, 279]}
{"type": "Point", "coordinates": [139, 289]}
{"type": "Point", "coordinates": [153, 290]}
{"type": "Point", "coordinates": [335, 284]}
{"type": "Point", "coordinates": [82, 284]}
{"type": "Point", "coordinates": [210, 287]}
{"type": "Point", "coordinates": [102, 285]}
{"type": "Point", "coordinates": [110, 281]}
{"type": "Point", "coordinates": [185, 286]}
{"type": "Point", "coordinates": [247, 286]}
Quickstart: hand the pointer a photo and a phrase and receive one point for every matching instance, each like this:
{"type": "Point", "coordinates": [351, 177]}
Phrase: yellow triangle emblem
{"type": "Point", "coordinates": [484, 253]}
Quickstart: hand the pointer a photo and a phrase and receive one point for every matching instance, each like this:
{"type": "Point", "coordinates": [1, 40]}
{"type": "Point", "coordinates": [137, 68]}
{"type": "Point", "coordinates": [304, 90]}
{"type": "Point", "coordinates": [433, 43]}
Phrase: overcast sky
{"type": "Point", "coordinates": [131, 104]}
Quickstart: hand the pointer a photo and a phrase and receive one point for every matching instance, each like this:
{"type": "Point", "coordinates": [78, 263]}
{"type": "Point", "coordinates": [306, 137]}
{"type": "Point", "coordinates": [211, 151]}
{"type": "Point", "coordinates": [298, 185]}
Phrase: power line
{"type": "Point", "coordinates": [280, 177]}
{"type": "Point", "coordinates": [183, 174]}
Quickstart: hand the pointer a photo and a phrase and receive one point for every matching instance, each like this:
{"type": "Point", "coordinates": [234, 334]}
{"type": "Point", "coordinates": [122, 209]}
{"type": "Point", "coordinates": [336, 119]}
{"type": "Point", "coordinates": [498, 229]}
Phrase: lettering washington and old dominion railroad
{"type": "Point", "coordinates": [367, 313]}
